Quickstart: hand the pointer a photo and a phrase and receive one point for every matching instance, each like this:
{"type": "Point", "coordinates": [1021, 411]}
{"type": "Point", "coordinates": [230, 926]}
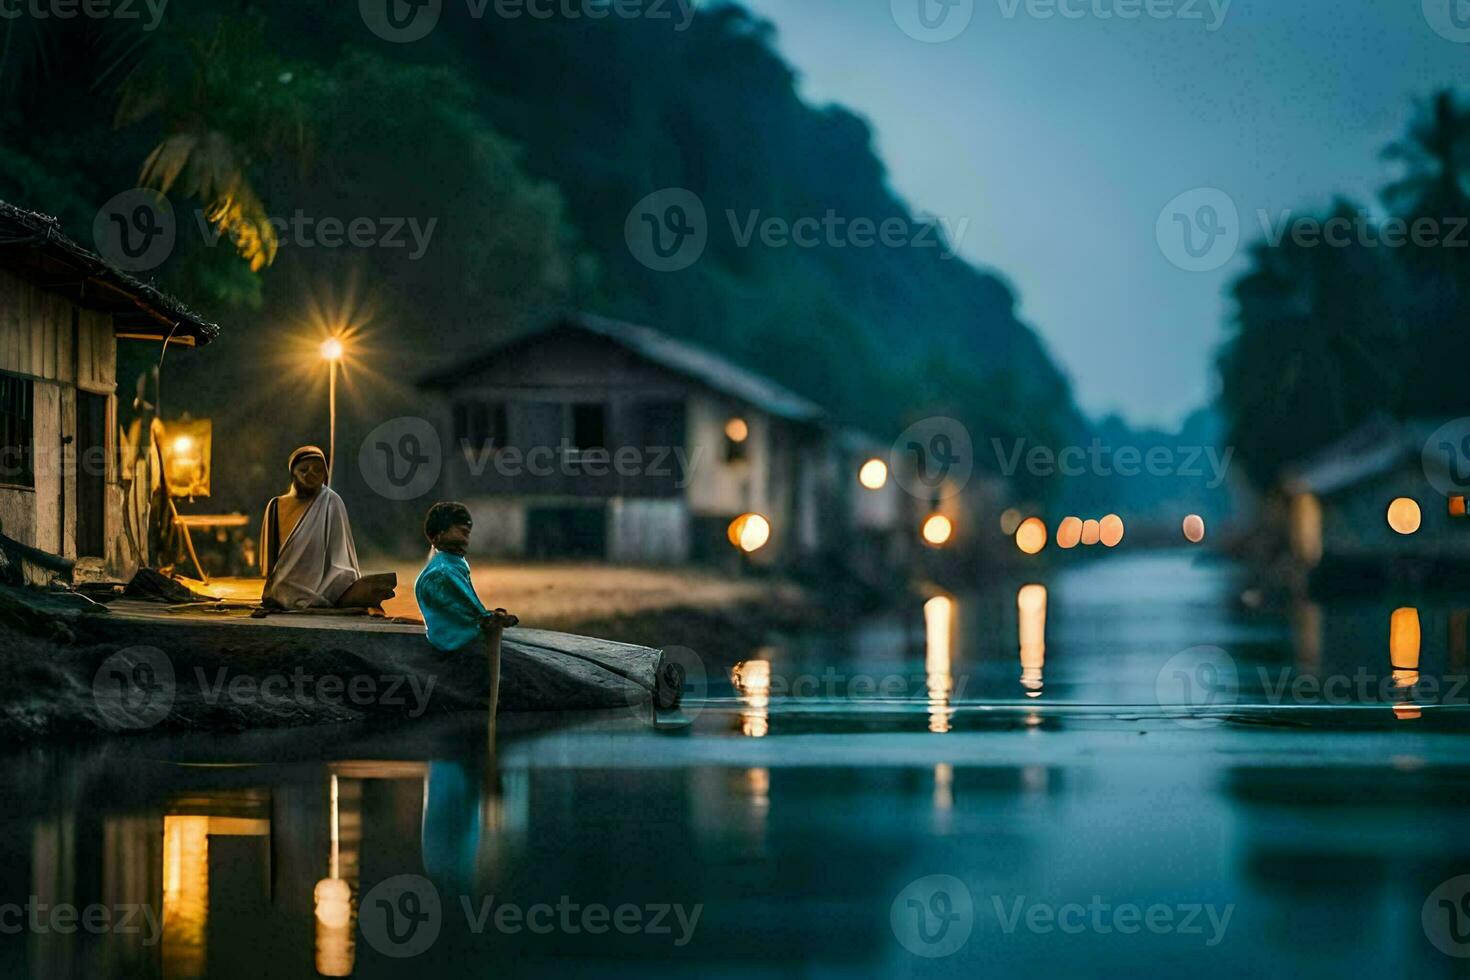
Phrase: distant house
{"type": "Point", "coordinates": [598, 439]}
{"type": "Point", "coordinates": [63, 310]}
{"type": "Point", "coordinates": [1365, 505]}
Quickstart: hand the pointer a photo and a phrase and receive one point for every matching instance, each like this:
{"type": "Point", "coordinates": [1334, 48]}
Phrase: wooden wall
{"type": "Point", "coordinates": [39, 340]}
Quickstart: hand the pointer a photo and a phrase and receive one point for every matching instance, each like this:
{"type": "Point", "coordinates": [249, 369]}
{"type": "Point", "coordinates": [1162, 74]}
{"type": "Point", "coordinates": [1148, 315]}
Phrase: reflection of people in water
{"type": "Point", "coordinates": [306, 550]}
{"type": "Point", "coordinates": [452, 825]}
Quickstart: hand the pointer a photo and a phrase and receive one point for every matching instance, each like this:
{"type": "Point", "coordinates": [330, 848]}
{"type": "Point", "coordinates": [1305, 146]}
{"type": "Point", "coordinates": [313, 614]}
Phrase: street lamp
{"type": "Point", "coordinates": [332, 354]}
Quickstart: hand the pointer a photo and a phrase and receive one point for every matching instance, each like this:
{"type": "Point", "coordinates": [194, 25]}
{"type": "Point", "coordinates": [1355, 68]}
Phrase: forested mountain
{"type": "Point", "coordinates": [526, 142]}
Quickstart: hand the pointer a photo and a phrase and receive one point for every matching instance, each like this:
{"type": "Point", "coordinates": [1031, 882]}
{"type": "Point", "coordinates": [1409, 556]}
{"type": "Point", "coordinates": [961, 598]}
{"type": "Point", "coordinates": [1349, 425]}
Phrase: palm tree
{"type": "Point", "coordinates": [1434, 155]}
{"type": "Point", "coordinates": [228, 104]}
{"type": "Point", "coordinates": [1317, 347]}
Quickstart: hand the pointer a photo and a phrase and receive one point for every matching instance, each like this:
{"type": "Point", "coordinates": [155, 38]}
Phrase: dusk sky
{"type": "Point", "coordinates": [1062, 140]}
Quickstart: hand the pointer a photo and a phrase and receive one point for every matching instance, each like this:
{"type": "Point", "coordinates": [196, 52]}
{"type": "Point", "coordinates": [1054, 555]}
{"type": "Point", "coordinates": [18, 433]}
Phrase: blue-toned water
{"type": "Point", "coordinates": [1129, 767]}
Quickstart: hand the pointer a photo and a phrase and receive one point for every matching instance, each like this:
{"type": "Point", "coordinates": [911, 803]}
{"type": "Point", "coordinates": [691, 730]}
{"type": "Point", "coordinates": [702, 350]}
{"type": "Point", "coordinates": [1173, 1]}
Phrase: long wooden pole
{"type": "Point", "coordinates": [332, 419]}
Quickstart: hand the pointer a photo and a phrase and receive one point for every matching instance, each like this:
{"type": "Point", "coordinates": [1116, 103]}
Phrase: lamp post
{"type": "Point", "coordinates": [331, 353]}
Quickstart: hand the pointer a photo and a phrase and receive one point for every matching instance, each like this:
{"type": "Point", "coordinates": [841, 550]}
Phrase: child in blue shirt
{"type": "Point", "coordinates": [455, 616]}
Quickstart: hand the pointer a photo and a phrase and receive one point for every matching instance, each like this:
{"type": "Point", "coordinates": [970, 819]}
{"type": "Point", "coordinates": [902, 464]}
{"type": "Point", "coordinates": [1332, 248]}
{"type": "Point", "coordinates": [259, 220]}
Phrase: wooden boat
{"type": "Point", "coordinates": [221, 670]}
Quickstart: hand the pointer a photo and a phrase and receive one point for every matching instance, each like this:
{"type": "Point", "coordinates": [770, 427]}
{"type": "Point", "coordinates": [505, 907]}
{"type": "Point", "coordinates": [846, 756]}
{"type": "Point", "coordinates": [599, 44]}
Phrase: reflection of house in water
{"type": "Point", "coordinates": [63, 312]}
{"type": "Point", "coordinates": [1364, 508]}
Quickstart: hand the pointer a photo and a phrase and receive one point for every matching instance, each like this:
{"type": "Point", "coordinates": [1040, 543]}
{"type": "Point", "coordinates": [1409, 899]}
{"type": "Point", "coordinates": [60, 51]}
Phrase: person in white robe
{"type": "Point", "coordinates": [306, 549]}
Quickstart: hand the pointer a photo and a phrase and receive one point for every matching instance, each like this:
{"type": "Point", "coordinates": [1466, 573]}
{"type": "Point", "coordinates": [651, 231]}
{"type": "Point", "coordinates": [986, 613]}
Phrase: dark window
{"type": "Point", "coordinates": [481, 424]}
{"type": "Point", "coordinates": [17, 431]}
{"type": "Point", "coordinates": [589, 426]}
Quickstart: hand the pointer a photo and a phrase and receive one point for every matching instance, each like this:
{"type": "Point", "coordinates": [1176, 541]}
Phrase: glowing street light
{"type": "Point", "coordinates": [1031, 535]}
{"type": "Point", "coordinates": [874, 474]}
{"type": "Point", "coordinates": [937, 531]}
{"type": "Point", "coordinates": [1110, 531]}
{"type": "Point", "coordinates": [1069, 533]}
{"type": "Point", "coordinates": [749, 532]}
{"type": "Point", "coordinates": [1091, 532]}
{"type": "Point", "coordinates": [332, 351]}
{"type": "Point", "coordinates": [1404, 515]}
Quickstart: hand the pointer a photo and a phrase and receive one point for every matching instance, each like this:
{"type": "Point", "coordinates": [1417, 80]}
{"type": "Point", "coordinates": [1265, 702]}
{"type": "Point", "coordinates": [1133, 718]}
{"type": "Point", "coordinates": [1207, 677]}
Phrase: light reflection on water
{"type": "Point", "coordinates": [795, 828]}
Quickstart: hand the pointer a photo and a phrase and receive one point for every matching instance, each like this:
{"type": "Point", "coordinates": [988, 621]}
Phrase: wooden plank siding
{"type": "Point", "coordinates": [47, 338]}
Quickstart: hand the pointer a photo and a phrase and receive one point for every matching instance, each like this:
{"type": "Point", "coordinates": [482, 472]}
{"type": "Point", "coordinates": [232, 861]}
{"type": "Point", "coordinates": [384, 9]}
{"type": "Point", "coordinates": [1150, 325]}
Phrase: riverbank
{"type": "Point", "coordinates": [720, 617]}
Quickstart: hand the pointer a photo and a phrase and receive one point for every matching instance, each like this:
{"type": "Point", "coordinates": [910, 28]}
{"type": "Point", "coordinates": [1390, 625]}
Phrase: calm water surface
{"type": "Point", "coordinates": [1123, 768]}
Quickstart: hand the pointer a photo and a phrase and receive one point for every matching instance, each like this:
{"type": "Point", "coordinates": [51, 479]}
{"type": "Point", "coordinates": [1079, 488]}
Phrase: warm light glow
{"type": "Point", "coordinates": [1091, 532]}
{"type": "Point", "coordinates": [752, 681]}
{"type": "Point", "coordinates": [938, 529]}
{"type": "Point", "coordinates": [1404, 640]}
{"type": "Point", "coordinates": [736, 430]}
{"type": "Point", "coordinates": [1404, 516]}
{"type": "Point", "coordinates": [1031, 632]}
{"type": "Point", "coordinates": [1306, 528]}
{"type": "Point", "coordinates": [333, 898]}
{"type": "Point", "coordinates": [1110, 531]}
{"type": "Point", "coordinates": [938, 654]}
{"type": "Point", "coordinates": [874, 474]}
{"type": "Point", "coordinates": [1010, 519]}
{"type": "Point", "coordinates": [1194, 529]}
{"type": "Point", "coordinates": [332, 349]}
{"type": "Point", "coordinates": [1069, 532]}
{"type": "Point", "coordinates": [1031, 535]}
{"type": "Point", "coordinates": [749, 532]}
{"type": "Point", "coordinates": [183, 444]}
{"type": "Point", "coordinates": [1457, 505]}
{"type": "Point", "coordinates": [185, 894]}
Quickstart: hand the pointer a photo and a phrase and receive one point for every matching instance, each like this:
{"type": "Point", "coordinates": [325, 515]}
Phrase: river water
{"type": "Point", "coordinates": [1131, 765]}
